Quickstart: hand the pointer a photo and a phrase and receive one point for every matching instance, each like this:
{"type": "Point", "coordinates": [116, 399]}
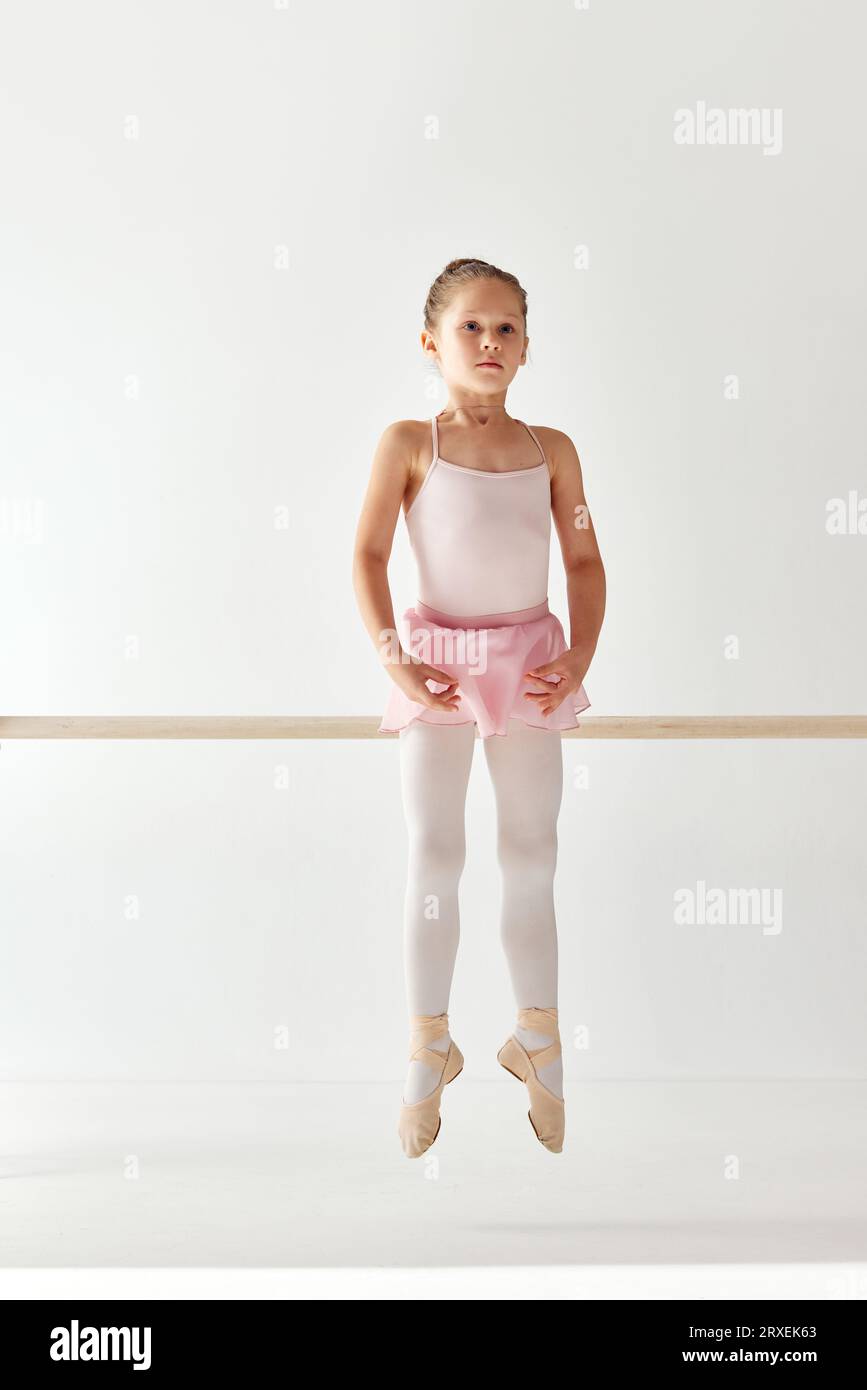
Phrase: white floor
{"type": "Point", "coordinates": [692, 1189]}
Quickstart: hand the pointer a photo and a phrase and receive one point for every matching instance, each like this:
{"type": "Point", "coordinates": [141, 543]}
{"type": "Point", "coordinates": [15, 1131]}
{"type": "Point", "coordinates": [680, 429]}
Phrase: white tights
{"type": "Point", "coordinates": [526, 768]}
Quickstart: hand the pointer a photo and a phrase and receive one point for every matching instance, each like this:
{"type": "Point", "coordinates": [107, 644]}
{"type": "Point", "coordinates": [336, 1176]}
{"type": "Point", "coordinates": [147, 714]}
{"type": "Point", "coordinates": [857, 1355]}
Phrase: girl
{"type": "Point", "coordinates": [484, 653]}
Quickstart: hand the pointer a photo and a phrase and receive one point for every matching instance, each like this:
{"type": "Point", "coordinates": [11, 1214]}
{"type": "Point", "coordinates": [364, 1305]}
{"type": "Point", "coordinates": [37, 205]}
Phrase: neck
{"type": "Point", "coordinates": [475, 414]}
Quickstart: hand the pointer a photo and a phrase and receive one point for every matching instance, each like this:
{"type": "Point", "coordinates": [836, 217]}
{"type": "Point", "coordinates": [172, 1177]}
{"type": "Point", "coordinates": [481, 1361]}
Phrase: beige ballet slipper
{"type": "Point", "coordinates": [547, 1113]}
{"type": "Point", "coordinates": [419, 1123]}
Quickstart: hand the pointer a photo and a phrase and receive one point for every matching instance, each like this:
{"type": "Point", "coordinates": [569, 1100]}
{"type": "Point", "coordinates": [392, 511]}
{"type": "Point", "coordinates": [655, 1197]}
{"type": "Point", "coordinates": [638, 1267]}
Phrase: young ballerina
{"type": "Point", "coordinates": [484, 655]}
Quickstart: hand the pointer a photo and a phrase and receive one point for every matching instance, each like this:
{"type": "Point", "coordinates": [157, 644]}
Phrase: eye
{"type": "Point", "coordinates": [509, 326]}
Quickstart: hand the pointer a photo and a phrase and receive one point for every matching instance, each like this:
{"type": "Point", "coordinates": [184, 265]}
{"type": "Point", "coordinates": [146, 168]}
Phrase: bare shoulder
{"type": "Point", "coordinates": [399, 436]}
{"type": "Point", "coordinates": [399, 463]}
{"type": "Point", "coordinates": [394, 460]}
{"type": "Point", "coordinates": [402, 441]}
{"type": "Point", "coordinates": [405, 445]}
{"type": "Point", "coordinates": [559, 449]}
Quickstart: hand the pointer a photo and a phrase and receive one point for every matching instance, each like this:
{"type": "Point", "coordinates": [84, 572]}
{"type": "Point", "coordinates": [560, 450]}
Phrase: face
{"type": "Point", "coordinates": [482, 323]}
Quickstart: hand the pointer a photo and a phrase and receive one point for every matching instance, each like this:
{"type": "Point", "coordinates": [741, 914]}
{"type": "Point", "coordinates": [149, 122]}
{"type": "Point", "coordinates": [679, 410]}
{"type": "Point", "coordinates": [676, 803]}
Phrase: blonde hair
{"type": "Point", "coordinates": [461, 272]}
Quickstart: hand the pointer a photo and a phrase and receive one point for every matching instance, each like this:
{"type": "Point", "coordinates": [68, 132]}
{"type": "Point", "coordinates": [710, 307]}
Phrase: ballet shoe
{"type": "Point", "coordinates": [419, 1123]}
{"type": "Point", "coordinates": [547, 1113]}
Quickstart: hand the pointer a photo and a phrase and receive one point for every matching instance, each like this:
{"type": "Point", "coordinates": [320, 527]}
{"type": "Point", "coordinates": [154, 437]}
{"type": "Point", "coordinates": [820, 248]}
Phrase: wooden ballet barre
{"type": "Point", "coordinates": [354, 726]}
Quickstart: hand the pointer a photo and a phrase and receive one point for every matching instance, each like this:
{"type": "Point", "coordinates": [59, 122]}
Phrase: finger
{"type": "Point", "coordinates": [540, 682]}
{"type": "Point", "coordinates": [547, 703]}
{"type": "Point", "coordinates": [443, 701]}
{"type": "Point", "coordinates": [442, 677]}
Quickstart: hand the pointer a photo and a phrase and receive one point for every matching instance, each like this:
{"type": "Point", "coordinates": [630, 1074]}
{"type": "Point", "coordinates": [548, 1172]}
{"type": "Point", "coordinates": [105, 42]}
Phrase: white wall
{"type": "Point", "coordinates": [170, 394]}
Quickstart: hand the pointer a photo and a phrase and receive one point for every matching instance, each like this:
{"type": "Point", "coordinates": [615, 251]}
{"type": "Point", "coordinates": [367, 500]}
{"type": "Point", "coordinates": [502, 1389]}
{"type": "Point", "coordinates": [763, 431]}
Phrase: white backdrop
{"type": "Point", "coordinates": [221, 222]}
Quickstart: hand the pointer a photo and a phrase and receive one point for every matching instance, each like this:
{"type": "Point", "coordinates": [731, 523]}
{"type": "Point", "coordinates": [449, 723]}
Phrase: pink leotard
{"type": "Point", "coordinates": [482, 540]}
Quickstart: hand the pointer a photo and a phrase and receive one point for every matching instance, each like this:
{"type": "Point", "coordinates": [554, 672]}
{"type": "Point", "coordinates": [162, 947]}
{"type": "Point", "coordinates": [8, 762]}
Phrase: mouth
{"type": "Point", "coordinates": [498, 366]}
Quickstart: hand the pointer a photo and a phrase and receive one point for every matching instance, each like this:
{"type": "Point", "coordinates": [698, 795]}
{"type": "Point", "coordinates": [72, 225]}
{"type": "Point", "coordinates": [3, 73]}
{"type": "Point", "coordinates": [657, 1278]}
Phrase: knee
{"type": "Point", "coordinates": [528, 849]}
{"type": "Point", "coordinates": [438, 852]}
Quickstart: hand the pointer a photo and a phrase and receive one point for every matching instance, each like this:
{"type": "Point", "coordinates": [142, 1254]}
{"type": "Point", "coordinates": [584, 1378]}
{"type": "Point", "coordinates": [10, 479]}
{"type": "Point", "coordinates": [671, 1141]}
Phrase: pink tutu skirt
{"type": "Point", "coordinates": [487, 656]}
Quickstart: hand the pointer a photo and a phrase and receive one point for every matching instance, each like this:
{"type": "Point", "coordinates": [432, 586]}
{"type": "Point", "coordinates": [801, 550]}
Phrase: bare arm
{"type": "Point", "coordinates": [392, 468]}
{"type": "Point", "coordinates": [585, 573]}
{"type": "Point", "coordinates": [389, 476]}
{"type": "Point", "coordinates": [585, 577]}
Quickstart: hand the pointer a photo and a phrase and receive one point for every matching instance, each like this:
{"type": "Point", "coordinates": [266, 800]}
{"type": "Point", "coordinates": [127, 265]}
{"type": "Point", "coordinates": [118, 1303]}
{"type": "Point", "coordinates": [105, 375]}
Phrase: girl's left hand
{"type": "Point", "coordinates": [571, 669]}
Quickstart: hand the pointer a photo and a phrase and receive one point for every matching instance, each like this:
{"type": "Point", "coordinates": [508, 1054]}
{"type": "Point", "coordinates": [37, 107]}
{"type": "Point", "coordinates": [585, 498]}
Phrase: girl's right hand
{"type": "Point", "coordinates": [411, 674]}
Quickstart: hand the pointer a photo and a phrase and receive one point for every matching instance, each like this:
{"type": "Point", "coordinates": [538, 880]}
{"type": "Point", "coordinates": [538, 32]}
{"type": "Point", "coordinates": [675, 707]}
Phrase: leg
{"type": "Point", "coordinates": [435, 762]}
{"type": "Point", "coordinates": [527, 773]}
